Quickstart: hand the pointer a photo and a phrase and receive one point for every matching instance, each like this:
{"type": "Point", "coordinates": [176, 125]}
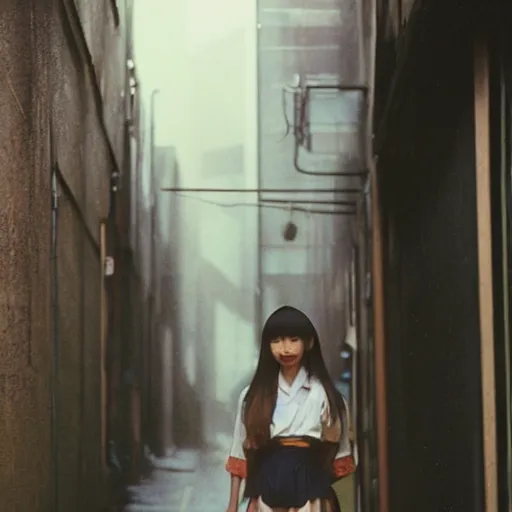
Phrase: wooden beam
{"type": "Point", "coordinates": [103, 347]}
{"type": "Point", "coordinates": [485, 279]}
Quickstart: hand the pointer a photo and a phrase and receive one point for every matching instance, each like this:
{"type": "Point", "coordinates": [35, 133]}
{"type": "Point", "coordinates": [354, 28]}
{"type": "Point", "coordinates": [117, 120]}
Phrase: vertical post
{"type": "Point", "coordinates": [380, 352]}
{"type": "Point", "coordinates": [103, 346]}
{"type": "Point", "coordinates": [152, 187]}
{"type": "Point", "coordinates": [505, 226]}
{"type": "Point", "coordinates": [152, 406]}
{"type": "Point", "coordinates": [260, 270]}
{"type": "Point", "coordinates": [485, 274]}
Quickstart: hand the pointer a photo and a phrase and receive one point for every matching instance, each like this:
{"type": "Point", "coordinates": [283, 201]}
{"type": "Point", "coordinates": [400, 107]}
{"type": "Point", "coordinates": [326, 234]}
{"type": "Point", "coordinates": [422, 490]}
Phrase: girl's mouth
{"type": "Point", "coordinates": [287, 359]}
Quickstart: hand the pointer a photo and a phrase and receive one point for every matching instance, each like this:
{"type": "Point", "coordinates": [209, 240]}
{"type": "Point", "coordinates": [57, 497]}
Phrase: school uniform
{"type": "Point", "coordinates": [307, 452]}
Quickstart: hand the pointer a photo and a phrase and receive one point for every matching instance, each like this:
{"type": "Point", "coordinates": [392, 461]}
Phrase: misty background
{"type": "Point", "coordinates": [217, 102]}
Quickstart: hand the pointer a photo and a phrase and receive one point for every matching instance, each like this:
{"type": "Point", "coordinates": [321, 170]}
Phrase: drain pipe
{"type": "Point", "coordinates": [154, 426]}
{"type": "Point", "coordinates": [56, 337]}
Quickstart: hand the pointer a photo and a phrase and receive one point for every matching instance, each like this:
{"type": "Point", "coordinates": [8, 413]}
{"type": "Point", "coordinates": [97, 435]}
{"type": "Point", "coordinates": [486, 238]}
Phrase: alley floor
{"type": "Point", "coordinates": [197, 482]}
{"type": "Point", "coordinates": [203, 489]}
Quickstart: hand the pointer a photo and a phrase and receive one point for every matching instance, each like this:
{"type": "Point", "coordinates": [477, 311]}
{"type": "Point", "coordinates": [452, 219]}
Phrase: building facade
{"type": "Point", "coordinates": [442, 169]}
{"type": "Point", "coordinates": [63, 136]}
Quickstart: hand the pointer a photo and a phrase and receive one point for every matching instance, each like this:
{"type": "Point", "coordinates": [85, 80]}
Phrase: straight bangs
{"type": "Point", "coordinates": [288, 322]}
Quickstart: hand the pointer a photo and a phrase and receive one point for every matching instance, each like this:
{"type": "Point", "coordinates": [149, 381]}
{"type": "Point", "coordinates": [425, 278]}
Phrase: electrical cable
{"type": "Point", "coordinates": [288, 124]}
{"type": "Point", "coordinates": [271, 206]}
{"type": "Point", "coordinates": [309, 202]}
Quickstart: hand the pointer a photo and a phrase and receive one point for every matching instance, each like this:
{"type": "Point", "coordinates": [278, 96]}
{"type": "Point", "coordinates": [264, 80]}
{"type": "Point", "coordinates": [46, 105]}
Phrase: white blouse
{"type": "Point", "coordinates": [302, 409]}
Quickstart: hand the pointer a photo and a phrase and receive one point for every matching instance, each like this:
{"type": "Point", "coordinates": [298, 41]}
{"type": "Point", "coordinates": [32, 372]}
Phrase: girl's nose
{"type": "Point", "coordinates": [287, 346]}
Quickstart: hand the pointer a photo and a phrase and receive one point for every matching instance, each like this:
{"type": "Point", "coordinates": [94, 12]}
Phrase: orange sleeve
{"type": "Point", "coordinates": [343, 466]}
{"type": "Point", "coordinates": [237, 467]}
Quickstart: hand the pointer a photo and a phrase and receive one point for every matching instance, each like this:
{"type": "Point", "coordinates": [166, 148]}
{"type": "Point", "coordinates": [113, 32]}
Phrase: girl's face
{"type": "Point", "coordinates": [287, 351]}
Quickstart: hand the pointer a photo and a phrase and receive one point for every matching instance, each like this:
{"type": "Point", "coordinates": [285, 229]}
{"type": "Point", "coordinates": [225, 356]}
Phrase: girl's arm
{"type": "Point", "coordinates": [236, 464]}
{"type": "Point", "coordinates": [344, 461]}
{"type": "Point", "coordinates": [339, 432]}
{"type": "Point", "coordinates": [234, 493]}
{"type": "Point", "coordinates": [343, 464]}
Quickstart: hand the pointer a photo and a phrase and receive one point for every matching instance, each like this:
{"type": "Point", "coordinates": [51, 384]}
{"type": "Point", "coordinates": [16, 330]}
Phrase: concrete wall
{"type": "Point", "coordinates": [48, 83]}
{"type": "Point", "coordinates": [309, 273]}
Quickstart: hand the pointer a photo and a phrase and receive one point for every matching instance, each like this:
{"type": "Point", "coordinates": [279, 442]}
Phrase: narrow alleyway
{"type": "Point", "coordinates": [203, 486]}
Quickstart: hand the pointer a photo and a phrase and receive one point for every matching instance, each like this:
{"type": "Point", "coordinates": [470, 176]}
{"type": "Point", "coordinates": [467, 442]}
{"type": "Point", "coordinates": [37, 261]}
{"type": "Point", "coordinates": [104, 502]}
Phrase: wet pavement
{"type": "Point", "coordinates": [192, 482]}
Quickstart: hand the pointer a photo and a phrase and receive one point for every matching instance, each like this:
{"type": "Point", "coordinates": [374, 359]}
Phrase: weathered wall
{"type": "Point", "coordinates": [92, 491]}
{"type": "Point", "coordinates": [78, 407]}
{"type": "Point", "coordinates": [25, 299]}
{"type": "Point", "coordinates": [105, 32]}
{"type": "Point", "coordinates": [47, 83]}
{"type": "Point", "coordinates": [84, 158]}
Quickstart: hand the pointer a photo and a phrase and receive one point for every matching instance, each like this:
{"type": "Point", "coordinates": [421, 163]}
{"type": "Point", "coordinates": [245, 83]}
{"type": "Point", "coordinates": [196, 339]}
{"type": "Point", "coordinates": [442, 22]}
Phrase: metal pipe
{"type": "Point", "coordinates": [279, 206]}
{"type": "Point", "coordinates": [151, 342]}
{"type": "Point", "coordinates": [338, 87]}
{"type": "Point", "coordinates": [305, 201]}
{"type": "Point", "coordinates": [259, 190]}
{"type": "Point", "coordinates": [265, 191]}
{"type": "Point", "coordinates": [153, 185]}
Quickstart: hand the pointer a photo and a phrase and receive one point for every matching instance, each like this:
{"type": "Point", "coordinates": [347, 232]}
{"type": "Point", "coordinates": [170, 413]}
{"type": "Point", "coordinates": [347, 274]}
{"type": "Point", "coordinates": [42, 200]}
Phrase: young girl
{"type": "Point", "coordinates": [291, 431]}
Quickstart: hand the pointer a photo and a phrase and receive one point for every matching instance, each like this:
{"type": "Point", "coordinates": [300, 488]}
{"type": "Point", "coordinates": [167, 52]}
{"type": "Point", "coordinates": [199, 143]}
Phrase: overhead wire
{"type": "Point", "coordinates": [283, 207]}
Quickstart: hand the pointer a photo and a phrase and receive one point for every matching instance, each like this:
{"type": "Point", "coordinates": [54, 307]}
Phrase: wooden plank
{"type": "Point", "coordinates": [485, 280]}
{"type": "Point", "coordinates": [380, 349]}
{"type": "Point", "coordinates": [103, 345]}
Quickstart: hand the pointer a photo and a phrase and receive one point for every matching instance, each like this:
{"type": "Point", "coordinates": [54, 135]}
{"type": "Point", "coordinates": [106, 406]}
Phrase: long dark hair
{"type": "Point", "coordinates": [260, 400]}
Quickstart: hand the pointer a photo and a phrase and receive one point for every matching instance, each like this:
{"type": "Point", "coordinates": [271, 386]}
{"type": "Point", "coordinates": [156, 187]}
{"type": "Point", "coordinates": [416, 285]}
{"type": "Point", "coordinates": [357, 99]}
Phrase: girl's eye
{"type": "Point", "coordinates": [274, 341]}
{"type": "Point", "coordinates": [295, 339]}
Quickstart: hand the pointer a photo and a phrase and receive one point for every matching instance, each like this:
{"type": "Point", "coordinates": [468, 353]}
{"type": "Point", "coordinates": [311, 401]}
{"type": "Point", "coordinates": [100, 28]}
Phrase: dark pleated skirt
{"type": "Point", "coordinates": [288, 476]}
